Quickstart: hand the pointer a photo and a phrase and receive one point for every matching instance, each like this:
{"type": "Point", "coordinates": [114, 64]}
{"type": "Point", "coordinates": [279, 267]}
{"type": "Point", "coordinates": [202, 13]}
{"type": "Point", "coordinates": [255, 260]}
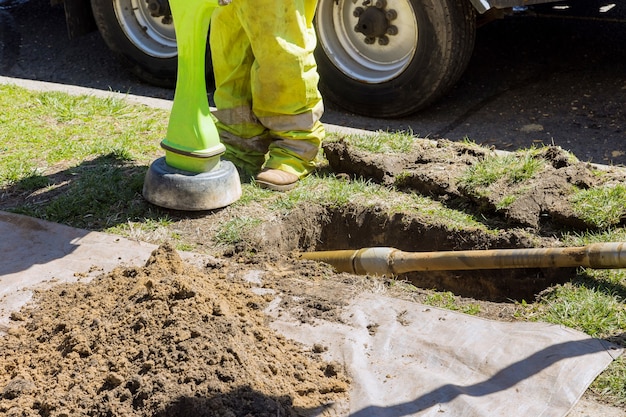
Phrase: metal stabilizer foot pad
{"type": "Point", "coordinates": [176, 189]}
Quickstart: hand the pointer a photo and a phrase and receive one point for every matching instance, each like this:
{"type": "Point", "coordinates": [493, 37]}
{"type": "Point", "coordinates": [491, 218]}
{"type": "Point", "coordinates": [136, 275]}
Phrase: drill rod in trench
{"type": "Point", "coordinates": [386, 261]}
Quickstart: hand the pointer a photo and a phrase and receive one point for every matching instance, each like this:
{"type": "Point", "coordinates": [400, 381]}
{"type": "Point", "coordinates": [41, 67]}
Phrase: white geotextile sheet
{"type": "Point", "coordinates": [424, 361]}
{"type": "Point", "coordinates": [405, 359]}
{"type": "Point", "coordinates": [36, 253]}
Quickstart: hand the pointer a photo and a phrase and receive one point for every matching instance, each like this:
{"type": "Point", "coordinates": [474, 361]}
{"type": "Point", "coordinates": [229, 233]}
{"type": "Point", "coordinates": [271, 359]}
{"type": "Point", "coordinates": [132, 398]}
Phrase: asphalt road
{"type": "Point", "coordinates": [556, 79]}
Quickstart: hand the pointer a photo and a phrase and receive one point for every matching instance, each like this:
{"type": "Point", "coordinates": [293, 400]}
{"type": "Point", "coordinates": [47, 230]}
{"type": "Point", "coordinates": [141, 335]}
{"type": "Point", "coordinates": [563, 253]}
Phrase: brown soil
{"type": "Point", "coordinates": [435, 168]}
{"type": "Point", "coordinates": [167, 339]}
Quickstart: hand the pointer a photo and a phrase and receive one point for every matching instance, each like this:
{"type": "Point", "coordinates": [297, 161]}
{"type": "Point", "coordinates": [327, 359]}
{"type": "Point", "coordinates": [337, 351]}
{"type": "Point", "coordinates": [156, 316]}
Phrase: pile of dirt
{"type": "Point", "coordinates": [166, 339]}
{"type": "Point", "coordinates": [541, 203]}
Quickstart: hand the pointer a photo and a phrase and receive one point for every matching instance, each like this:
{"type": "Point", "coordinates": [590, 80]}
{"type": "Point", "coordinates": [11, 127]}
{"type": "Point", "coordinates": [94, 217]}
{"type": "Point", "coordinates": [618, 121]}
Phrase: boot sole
{"type": "Point", "coordinates": [276, 187]}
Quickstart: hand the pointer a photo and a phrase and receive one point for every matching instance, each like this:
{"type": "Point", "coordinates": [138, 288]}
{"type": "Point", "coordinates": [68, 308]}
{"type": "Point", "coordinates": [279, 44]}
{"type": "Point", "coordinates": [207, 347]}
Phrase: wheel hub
{"type": "Point", "coordinates": [375, 21]}
{"type": "Point", "coordinates": [159, 8]}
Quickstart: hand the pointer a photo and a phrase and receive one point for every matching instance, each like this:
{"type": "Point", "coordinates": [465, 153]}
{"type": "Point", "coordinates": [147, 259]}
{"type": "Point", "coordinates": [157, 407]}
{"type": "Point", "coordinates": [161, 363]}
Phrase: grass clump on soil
{"type": "Point", "coordinates": [383, 142]}
{"type": "Point", "coordinates": [603, 206]}
{"type": "Point", "coordinates": [447, 300]}
{"type": "Point", "coordinates": [333, 192]}
{"type": "Point", "coordinates": [328, 190]}
{"type": "Point", "coordinates": [512, 168]}
{"type": "Point", "coordinates": [81, 161]}
{"type": "Point", "coordinates": [233, 231]}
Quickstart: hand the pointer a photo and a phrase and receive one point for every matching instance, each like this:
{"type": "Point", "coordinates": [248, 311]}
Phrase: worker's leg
{"type": "Point", "coordinates": [245, 138]}
{"type": "Point", "coordinates": [284, 79]}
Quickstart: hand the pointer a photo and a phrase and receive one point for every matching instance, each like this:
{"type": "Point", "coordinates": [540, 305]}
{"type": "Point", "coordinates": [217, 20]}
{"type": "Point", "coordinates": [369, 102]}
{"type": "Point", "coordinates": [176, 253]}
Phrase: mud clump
{"type": "Point", "coordinates": [166, 339]}
{"type": "Point", "coordinates": [541, 203]}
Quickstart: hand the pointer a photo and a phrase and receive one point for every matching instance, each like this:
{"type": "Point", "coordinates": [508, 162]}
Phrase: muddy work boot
{"type": "Point", "coordinates": [277, 180]}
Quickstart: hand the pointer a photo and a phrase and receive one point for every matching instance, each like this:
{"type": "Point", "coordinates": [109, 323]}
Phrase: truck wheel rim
{"type": "Point", "coordinates": [154, 36]}
{"type": "Point", "coordinates": [367, 57]}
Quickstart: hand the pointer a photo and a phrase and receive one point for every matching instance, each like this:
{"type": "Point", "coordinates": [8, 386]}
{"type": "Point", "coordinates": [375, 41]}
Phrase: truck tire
{"type": "Point", "coordinates": [141, 33]}
{"type": "Point", "coordinates": [391, 58]}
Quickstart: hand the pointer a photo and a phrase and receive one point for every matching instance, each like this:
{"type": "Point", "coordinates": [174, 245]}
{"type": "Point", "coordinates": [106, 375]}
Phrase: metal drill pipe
{"type": "Point", "coordinates": [384, 261]}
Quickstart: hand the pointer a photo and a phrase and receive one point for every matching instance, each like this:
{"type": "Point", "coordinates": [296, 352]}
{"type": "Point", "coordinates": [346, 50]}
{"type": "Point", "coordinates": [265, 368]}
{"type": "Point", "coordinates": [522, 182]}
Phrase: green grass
{"type": "Point", "coordinates": [513, 168]}
{"type": "Point", "coordinates": [382, 142]}
{"type": "Point", "coordinates": [610, 383]}
{"type": "Point", "coordinates": [92, 195]}
{"type": "Point", "coordinates": [506, 201]}
{"type": "Point", "coordinates": [42, 130]}
{"type": "Point", "coordinates": [82, 158]}
{"type": "Point", "coordinates": [447, 300]}
{"type": "Point", "coordinates": [595, 301]}
{"type": "Point", "coordinates": [593, 307]}
{"type": "Point", "coordinates": [585, 238]}
{"type": "Point", "coordinates": [602, 207]}
{"type": "Point", "coordinates": [231, 232]}
{"type": "Point", "coordinates": [331, 191]}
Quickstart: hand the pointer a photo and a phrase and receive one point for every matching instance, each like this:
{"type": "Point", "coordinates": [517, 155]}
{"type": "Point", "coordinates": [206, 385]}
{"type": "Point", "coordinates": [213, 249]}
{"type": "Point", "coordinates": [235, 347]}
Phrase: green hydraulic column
{"type": "Point", "coordinates": [192, 141]}
{"type": "Point", "coordinates": [192, 176]}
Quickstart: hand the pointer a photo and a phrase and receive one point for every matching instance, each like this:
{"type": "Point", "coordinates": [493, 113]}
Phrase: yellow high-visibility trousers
{"type": "Point", "coordinates": [268, 104]}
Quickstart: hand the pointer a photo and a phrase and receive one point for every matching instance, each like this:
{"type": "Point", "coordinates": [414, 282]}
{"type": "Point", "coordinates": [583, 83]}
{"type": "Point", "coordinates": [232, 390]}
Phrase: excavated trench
{"type": "Point", "coordinates": [318, 228]}
{"type": "Point", "coordinates": [538, 214]}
